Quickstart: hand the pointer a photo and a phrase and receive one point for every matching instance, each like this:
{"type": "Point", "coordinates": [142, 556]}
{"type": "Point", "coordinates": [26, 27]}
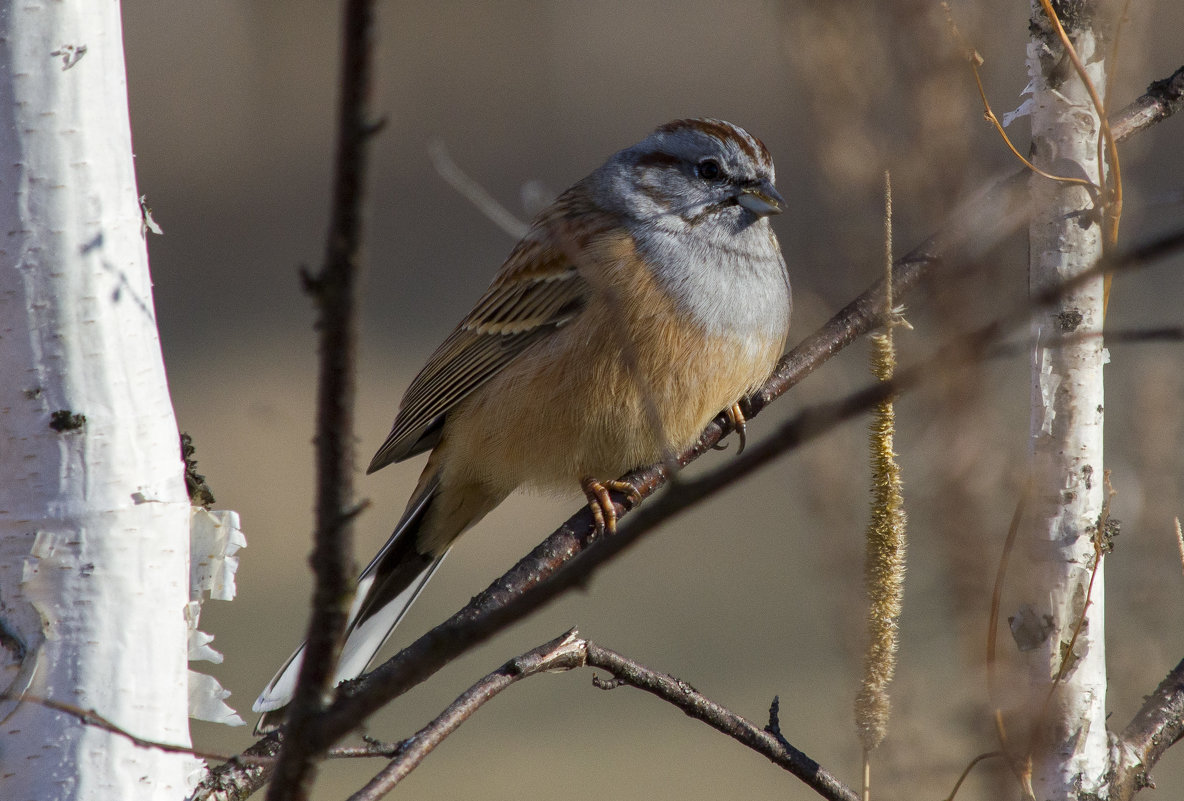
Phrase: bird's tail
{"type": "Point", "coordinates": [386, 589]}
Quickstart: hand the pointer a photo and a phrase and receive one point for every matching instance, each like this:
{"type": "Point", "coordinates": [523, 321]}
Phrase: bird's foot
{"type": "Point", "coordinates": [739, 424]}
{"type": "Point", "coordinates": [604, 511]}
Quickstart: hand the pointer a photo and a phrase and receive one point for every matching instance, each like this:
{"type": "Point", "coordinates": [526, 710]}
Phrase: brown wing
{"type": "Point", "coordinates": [537, 291]}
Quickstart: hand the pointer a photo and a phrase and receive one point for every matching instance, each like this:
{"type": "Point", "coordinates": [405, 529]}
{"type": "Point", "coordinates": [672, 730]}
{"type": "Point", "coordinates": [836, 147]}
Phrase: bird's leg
{"type": "Point", "coordinates": [604, 512]}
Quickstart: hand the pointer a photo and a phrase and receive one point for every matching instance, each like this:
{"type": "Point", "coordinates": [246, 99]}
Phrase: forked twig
{"type": "Point", "coordinates": [568, 652]}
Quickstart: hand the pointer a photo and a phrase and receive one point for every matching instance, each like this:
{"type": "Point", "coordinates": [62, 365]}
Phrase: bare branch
{"type": "Point", "coordinates": [1162, 99]}
{"type": "Point", "coordinates": [372, 748]}
{"type": "Point", "coordinates": [1157, 726]}
{"type": "Point", "coordinates": [698, 706]}
{"type": "Point", "coordinates": [334, 291]}
{"type": "Point", "coordinates": [568, 652]}
{"type": "Point", "coordinates": [241, 776]}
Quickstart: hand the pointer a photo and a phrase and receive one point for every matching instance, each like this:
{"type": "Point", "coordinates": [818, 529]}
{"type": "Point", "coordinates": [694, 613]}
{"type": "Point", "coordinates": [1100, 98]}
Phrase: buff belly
{"type": "Point", "coordinates": [589, 400]}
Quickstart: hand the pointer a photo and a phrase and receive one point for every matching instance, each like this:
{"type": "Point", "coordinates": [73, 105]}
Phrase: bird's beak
{"type": "Point", "coordinates": [761, 199]}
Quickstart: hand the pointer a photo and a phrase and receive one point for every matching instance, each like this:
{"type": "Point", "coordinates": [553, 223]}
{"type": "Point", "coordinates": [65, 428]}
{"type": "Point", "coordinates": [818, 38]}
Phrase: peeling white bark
{"type": "Point", "coordinates": [1070, 755]}
{"type": "Point", "coordinates": [215, 538]}
{"type": "Point", "coordinates": [94, 516]}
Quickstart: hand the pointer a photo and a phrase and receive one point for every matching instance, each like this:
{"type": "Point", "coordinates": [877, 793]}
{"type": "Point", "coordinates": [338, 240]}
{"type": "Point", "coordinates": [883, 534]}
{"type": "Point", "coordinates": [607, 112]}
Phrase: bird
{"type": "Point", "coordinates": [645, 300]}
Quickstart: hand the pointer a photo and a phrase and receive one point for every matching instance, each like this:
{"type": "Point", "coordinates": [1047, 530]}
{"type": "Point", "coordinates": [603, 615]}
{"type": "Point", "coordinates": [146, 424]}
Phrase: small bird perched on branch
{"type": "Point", "coordinates": [646, 299]}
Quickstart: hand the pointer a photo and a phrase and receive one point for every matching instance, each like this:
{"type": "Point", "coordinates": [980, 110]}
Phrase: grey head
{"type": "Point", "coordinates": [696, 195]}
{"type": "Point", "coordinates": [702, 173]}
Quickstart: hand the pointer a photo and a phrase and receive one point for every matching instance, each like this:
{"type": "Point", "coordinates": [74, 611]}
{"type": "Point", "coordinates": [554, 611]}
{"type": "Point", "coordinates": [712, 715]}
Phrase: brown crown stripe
{"type": "Point", "coordinates": [723, 131]}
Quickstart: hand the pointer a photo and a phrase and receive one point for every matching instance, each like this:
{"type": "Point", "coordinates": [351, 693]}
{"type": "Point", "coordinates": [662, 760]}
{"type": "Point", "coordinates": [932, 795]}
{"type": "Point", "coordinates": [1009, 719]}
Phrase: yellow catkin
{"type": "Point", "coordinates": [885, 561]}
{"type": "Point", "coordinates": [885, 558]}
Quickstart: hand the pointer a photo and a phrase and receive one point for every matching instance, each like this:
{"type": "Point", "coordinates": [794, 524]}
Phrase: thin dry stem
{"type": "Point", "coordinates": [966, 771]}
{"type": "Point", "coordinates": [1106, 136]}
{"type": "Point", "coordinates": [563, 653]}
{"type": "Point", "coordinates": [473, 192]}
{"type": "Point", "coordinates": [1111, 200]}
{"type": "Point", "coordinates": [975, 59]}
{"type": "Point", "coordinates": [1013, 761]}
{"type": "Point", "coordinates": [334, 289]}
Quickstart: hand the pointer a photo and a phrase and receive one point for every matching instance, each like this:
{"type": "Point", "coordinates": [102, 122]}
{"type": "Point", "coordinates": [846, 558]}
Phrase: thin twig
{"type": "Point", "coordinates": [89, 717]}
{"type": "Point", "coordinates": [966, 772]}
{"type": "Point", "coordinates": [1106, 136]}
{"type": "Point", "coordinates": [472, 191]}
{"type": "Point", "coordinates": [563, 653]}
{"type": "Point", "coordinates": [334, 291]}
{"type": "Point", "coordinates": [568, 652]}
{"type": "Point", "coordinates": [975, 60]}
{"type": "Point", "coordinates": [372, 749]}
{"type": "Point", "coordinates": [993, 629]}
{"type": "Point", "coordinates": [698, 706]}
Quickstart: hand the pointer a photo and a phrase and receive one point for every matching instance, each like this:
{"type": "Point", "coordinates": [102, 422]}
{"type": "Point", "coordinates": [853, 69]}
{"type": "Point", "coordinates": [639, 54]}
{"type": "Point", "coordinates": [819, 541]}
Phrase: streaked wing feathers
{"type": "Point", "coordinates": [538, 291]}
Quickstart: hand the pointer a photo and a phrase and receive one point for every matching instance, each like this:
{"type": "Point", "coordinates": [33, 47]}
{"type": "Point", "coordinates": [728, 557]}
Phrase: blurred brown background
{"type": "Point", "coordinates": [753, 595]}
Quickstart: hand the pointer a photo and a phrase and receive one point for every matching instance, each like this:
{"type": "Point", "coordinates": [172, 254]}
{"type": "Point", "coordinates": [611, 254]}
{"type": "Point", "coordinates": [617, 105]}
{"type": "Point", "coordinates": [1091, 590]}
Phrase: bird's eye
{"type": "Point", "coordinates": [709, 170]}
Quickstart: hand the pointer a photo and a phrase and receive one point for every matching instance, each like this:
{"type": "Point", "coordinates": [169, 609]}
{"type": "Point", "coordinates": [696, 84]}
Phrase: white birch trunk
{"type": "Point", "coordinates": [1070, 754]}
{"type": "Point", "coordinates": [93, 510]}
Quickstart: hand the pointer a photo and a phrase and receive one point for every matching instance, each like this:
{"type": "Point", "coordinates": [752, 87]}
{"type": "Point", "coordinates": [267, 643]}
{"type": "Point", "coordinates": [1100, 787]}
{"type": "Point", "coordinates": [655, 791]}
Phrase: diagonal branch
{"type": "Point", "coordinates": [1162, 99]}
{"type": "Point", "coordinates": [1157, 726]}
{"type": "Point", "coordinates": [563, 653]}
{"type": "Point", "coordinates": [765, 742]}
{"type": "Point", "coordinates": [90, 717]}
{"type": "Point", "coordinates": [546, 573]}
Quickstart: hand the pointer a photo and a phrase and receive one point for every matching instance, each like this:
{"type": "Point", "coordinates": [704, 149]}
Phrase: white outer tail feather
{"type": "Point", "coordinates": [360, 646]}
